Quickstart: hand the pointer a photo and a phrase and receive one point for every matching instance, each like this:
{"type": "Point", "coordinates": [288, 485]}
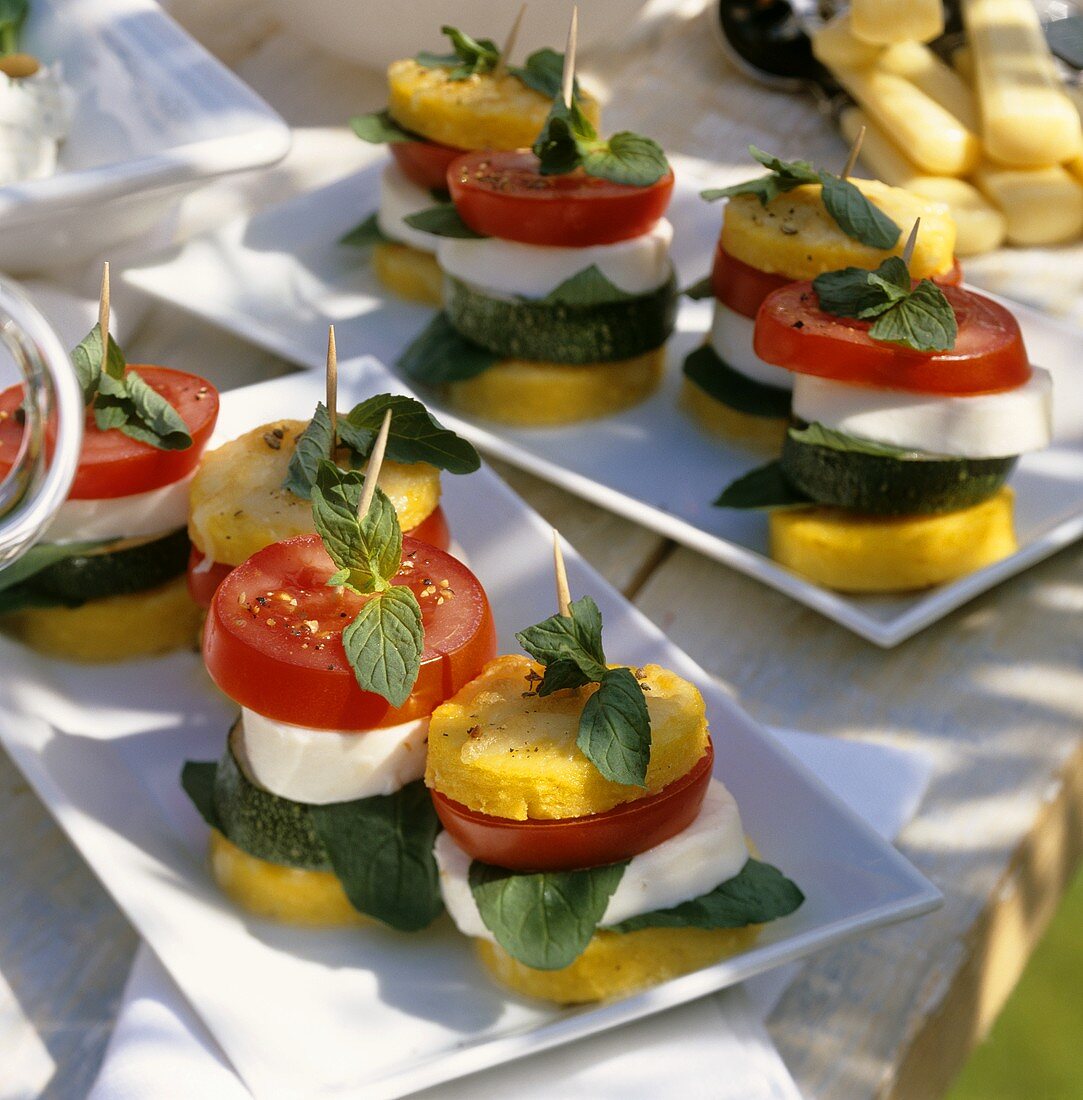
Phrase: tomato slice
{"type": "Point", "coordinates": [504, 195]}
{"type": "Point", "coordinates": [113, 465]}
{"type": "Point", "coordinates": [989, 356]}
{"type": "Point", "coordinates": [203, 583]}
{"type": "Point", "coordinates": [567, 844]}
{"type": "Point", "coordinates": [286, 660]}
{"type": "Point", "coordinates": [424, 162]}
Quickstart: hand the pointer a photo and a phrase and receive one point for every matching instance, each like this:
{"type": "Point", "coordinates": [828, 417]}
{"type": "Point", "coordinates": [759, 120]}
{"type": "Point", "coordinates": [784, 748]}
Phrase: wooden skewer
{"type": "Point", "coordinates": [911, 241]}
{"type": "Point", "coordinates": [372, 470]}
{"type": "Point", "coordinates": [103, 314]}
{"type": "Point", "coordinates": [855, 151]}
{"type": "Point", "coordinates": [505, 54]}
{"type": "Point", "coordinates": [332, 387]}
{"type": "Point", "coordinates": [569, 58]}
{"type": "Point", "coordinates": [564, 595]}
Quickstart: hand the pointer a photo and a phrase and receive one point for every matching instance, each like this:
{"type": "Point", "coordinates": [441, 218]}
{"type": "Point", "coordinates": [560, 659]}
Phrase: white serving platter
{"type": "Point", "coordinates": [155, 116]}
{"type": "Point", "coordinates": [372, 1012]}
{"type": "Point", "coordinates": [279, 278]}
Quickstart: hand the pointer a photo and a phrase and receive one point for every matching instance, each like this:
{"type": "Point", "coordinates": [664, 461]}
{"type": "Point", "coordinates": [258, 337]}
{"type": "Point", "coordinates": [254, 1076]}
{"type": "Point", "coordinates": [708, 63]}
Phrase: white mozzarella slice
{"type": "Point", "coordinates": [321, 766]}
{"type": "Point", "coordinates": [711, 850]}
{"type": "Point", "coordinates": [399, 198]}
{"type": "Point", "coordinates": [137, 516]}
{"type": "Point", "coordinates": [731, 338]}
{"type": "Point", "coordinates": [988, 425]}
{"type": "Point", "coordinates": [506, 269]}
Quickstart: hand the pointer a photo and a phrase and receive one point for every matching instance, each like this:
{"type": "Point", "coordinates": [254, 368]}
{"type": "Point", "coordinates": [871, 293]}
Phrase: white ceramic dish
{"type": "Point", "coordinates": [374, 1012]}
{"type": "Point", "coordinates": [280, 278]}
{"type": "Point", "coordinates": [155, 117]}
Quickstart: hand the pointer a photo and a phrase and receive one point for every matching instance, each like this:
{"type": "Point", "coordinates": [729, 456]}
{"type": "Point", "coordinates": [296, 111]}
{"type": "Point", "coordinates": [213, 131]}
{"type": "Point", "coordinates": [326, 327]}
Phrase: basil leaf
{"type": "Point", "coordinates": [615, 729]}
{"type": "Point", "coordinates": [574, 640]}
{"type": "Point", "coordinates": [799, 170]}
{"type": "Point", "coordinates": [545, 920]}
{"type": "Point", "coordinates": [557, 146]}
{"type": "Point", "coordinates": [152, 419]}
{"type": "Point", "coordinates": [381, 851]}
{"type": "Point", "coordinates": [544, 72]}
{"type": "Point", "coordinates": [313, 446]}
{"type": "Point", "coordinates": [41, 556]}
{"type": "Point", "coordinates": [443, 221]}
{"type": "Point", "coordinates": [923, 321]}
{"type": "Point", "coordinates": [762, 488]}
{"type": "Point", "coordinates": [699, 290]}
{"type": "Point", "coordinates": [756, 894]}
{"type": "Point", "coordinates": [851, 292]}
{"type": "Point", "coordinates": [365, 234]}
{"type": "Point", "coordinates": [415, 434]}
{"type": "Point", "coordinates": [197, 779]}
{"type": "Point", "coordinates": [855, 215]}
{"type": "Point", "coordinates": [110, 413]}
{"type": "Point", "coordinates": [13, 15]}
{"type": "Point", "coordinates": [439, 354]}
{"type": "Point", "coordinates": [379, 128]}
{"type": "Point", "coordinates": [384, 644]}
{"type": "Point", "coordinates": [627, 158]}
{"type": "Point", "coordinates": [87, 360]}
{"type": "Point", "coordinates": [471, 56]}
{"type": "Point", "coordinates": [589, 287]}
{"type": "Point", "coordinates": [817, 435]}
{"type": "Point", "coordinates": [785, 176]}
{"type": "Point", "coordinates": [708, 370]}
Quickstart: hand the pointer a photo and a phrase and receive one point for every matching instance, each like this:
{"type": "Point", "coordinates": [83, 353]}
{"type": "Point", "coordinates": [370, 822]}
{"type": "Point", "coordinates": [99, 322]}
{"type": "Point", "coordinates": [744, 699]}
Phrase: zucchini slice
{"type": "Point", "coordinates": [558, 332]}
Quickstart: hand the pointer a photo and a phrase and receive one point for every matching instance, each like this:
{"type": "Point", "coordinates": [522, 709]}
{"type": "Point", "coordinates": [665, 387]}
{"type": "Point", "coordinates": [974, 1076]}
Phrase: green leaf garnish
{"type": "Point", "coordinates": [313, 445]}
{"type": "Point", "coordinates": [923, 321]}
{"type": "Point", "coordinates": [13, 15]}
{"type": "Point", "coordinates": [817, 435]}
{"type": "Point", "coordinates": [443, 220]}
{"type": "Point", "coordinates": [544, 72]}
{"type": "Point", "coordinates": [615, 727]}
{"type": "Point", "coordinates": [386, 640]}
{"type": "Point", "coordinates": [197, 779]}
{"type": "Point", "coordinates": [439, 354]}
{"type": "Point", "coordinates": [756, 894]}
{"type": "Point", "coordinates": [708, 370]}
{"type": "Point", "coordinates": [783, 176]}
{"type": "Point", "coordinates": [471, 55]}
{"type": "Point", "coordinates": [545, 920]}
{"type": "Point", "coordinates": [762, 488]}
{"type": "Point", "coordinates": [699, 290]}
{"type": "Point", "coordinates": [589, 287]}
{"type": "Point", "coordinates": [87, 360]}
{"type": "Point", "coordinates": [379, 128]}
{"type": "Point", "coordinates": [364, 235]}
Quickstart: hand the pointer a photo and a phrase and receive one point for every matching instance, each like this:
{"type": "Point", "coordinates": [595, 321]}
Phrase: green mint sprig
{"type": "Point", "coordinates": [920, 318]}
{"type": "Point", "coordinates": [544, 73]}
{"type": "Point", "coordinates": [615, 726]}
{"type": "Point", "coordinates": [469, 56]}
{"type": "Point", "coordinates": [121, 399]}
{"type": "Point", "coordinates": [13, 15]}
{"type": "Point", "coordinates": [851, 211]}
{"type": "Point", "coordinates": [443, 220]}
{"type": "Point", "coordinates": [379, 128]}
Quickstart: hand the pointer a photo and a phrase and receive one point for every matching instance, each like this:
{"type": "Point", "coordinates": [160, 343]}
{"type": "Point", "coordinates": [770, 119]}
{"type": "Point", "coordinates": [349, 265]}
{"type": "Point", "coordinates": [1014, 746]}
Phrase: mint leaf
{"type": "Point", "coordinates": [557, 146]}
{"type": "Point", "coordinates": [756, 894]}
{"type": "Point", "coordinates": [364, 235]}
{"type": "Point", "coordinates": [381, 851]}
{"type": "Point", "coordinates": [197, 779]}
{"type": "Point", "coordinates": [892, 277]}
{"type": "Point", "coordinates": [152, 419]}
{"type": "Point", "coordinates": [589, 287]}
{"type": "Point", "coordinates": [708, 370]}
{"type": "Point", "coordinates": [415, 434]}
{"type": "Point", "coordinates": [699, 290]}
{"type": "Point", "coordinates": [87, 360]}
{"type": "Point", "coordinates": [568, 642]}
{"type": "Point", "coordinates": [784, 176]}
{"type": "Point", "coordinates": [313, 446]}
{"type": "Point", "coordinates": [855, 215]}
{"type": "Point", "coordinates": [443, 221]}
{"type": "Point", "coordinates": [852, 292]}
{"type": "Point", "coordinates": [379, 128]}
{"type": "Point", "coordinates": [439, 354]}
{"type": "Point", "coordinates": [471, 55]}
{"type": "Point", "coordinates": [384, 644]}
{"type": "Point", "coordinates": [615, 729]}
{"type": "Point", "coordinates": [762, 488]}
{"type": "Point", "coordinates": [544, 72]}
{"type": "Point", "coordinates": [545, 920]}
{"type": "Point", "coordinates": [923, 321]}
{"type": "Point", "coordinates": [817, 435]}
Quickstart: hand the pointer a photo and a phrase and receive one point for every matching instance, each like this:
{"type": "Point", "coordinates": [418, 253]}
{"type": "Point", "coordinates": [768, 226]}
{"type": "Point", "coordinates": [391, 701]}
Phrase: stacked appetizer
{"type": "Point", "coordinates": [439, 106]}
{"type": "Point", "coordinates": [793, 223]}
{"type": "Point", "coordinates": [256, 489]}
{"type": "Point", "coordinates": [107, 582]}
{"type": "Point", "coordinates": [587, 848]}
{"type": "Point", "coordinates": [337, 646]}
{"type": "Point", "coordinates": [559, 290]}
{"type": "Point", "coordinates": [911, 405]}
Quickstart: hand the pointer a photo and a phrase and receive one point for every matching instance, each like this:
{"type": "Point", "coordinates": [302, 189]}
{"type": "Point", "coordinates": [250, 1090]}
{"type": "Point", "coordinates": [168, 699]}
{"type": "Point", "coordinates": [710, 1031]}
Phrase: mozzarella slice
{"type": "Point", "coordinates": [321, 766]}
{"type": "Point", "coordinates": [399, 198]}
{"type": "Point", "coordinates": [505, 269]}
{"type": "Point", "coordinates": [711, 850]}
{"type": "Point", "coordinates": [137, 516]}
{"type": "Point", "coordinates": [988, 425]}
{"type": "Point", "coordinates": [731, 338]}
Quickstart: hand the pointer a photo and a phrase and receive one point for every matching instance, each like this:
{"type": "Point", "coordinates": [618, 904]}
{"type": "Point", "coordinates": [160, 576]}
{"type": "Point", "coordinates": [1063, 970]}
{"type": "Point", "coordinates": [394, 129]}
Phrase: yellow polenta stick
{"type": "Point", "coordinates": [919, 65]}
{"type": "Point", "coordinates": [883, 22]}
{"type": "Point", "coordinates": [1041, 205]}
{"type": "Point", "coordinates": [835, 45]}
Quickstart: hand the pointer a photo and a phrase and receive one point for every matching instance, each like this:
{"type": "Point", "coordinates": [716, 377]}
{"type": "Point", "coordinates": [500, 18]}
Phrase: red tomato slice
{"type": "Point", "coordinates": [113, 465]}
{"type": "Point", "coordinates": [743, 287]}
{"type": "Point", "coordinates": [424, 162]}
{"type": "Point", "coordinates": [262, 651]}
{"type": "Point", "coordinates": [567, 844]}
{"type": "Point", "coordinates": [504, 195]}
{"type": "Point", "coordinates": [203, 583]}
{"type": "Point", "coordinates": [989, 356]}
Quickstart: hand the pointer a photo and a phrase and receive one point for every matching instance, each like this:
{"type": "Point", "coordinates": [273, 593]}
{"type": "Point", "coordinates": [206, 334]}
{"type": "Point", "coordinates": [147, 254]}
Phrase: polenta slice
{"type": "Point", "coordinates": [408, 272]}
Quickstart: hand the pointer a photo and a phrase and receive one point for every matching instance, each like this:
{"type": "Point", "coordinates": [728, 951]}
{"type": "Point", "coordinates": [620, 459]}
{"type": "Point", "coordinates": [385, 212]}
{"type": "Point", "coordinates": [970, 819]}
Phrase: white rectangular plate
{"type": "Point", "coordinates": [336, 1012]}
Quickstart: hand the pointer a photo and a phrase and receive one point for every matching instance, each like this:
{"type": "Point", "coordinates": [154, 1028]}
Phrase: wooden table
{"type": "Point", "coordinates": [994, 693]}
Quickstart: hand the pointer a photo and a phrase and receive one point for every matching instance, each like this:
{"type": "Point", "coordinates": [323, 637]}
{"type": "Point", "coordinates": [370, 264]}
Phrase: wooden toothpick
{"type": "Point", "coordinates": [569, 58]}
{"type": "Point", "coordinates": [103, 314]}
{"type": "Point", "coordinates": [505, 54]}
{"type": "Point", "coordinates": [332, 387]}
{"type": "Point", "coordinates": [911, 241]}
{"type": "Point", "coordinates": [855, 151]}
{"type": "Point", "coordinates": [372, 470]}
{"type": "Point", "coordinates": [564, 595]}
